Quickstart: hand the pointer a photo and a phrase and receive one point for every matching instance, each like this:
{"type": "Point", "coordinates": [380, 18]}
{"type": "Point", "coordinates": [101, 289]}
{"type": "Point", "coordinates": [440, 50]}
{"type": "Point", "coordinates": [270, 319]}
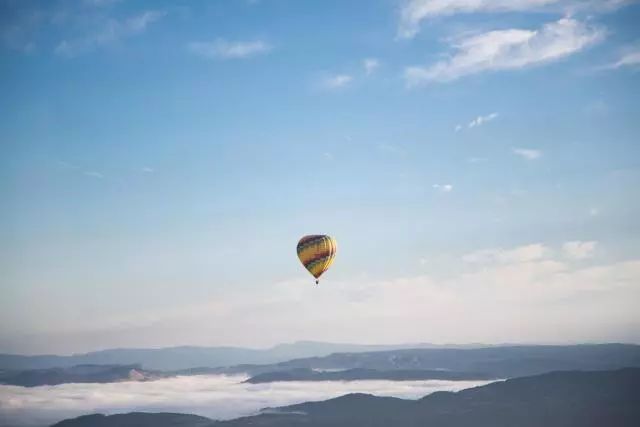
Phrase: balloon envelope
{"type": "Point", "coordinates": [316, 252]}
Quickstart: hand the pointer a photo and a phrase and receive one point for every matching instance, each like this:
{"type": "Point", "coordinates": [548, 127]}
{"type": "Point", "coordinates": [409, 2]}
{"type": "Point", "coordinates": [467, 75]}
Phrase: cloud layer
{"type": "Point", "coordinates": [527, 153]}
{"type": "Point", "coordinates": [337, 81]}
{"type": "Point", "coordinates": [216, 397]}
{"type": "Point", "coordinates": [579, 250]}
{"type": "Point", "coordinates": [533, 292]}
{"type": "Point", "coordinates": [112, 31]}
{"type": "Point", "coordinates": [224, 49]}
{"type": "Point", "coordinates": [508, 50]}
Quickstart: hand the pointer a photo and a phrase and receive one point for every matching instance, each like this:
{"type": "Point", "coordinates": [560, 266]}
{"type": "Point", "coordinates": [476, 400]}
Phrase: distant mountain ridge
{"type": "Point", "coordinates": [403, 364]}
{"type": "Point", "coordinates": [556, 399]}
{"type": "Point", "coordinates": [186, 357]}
{"type": "Point", "coordinates": [137, 419]}
{"type": "Point", "coordinates": [495, 362]}
{"type": "Point", "coordinates": [77, 374]}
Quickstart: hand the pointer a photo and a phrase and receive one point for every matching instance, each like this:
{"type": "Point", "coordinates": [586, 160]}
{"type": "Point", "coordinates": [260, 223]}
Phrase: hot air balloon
{"type": "Point", "coordinates": [316, 252]}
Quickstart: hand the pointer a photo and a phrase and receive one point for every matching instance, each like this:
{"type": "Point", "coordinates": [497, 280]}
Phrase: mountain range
{"type": "Point", "coordinates": [185, 357]}
{"type": "Point", "coordinates": [493, 362]}
{"type": "Point", "coordinates": [498, 362]}
{"type": "Point", "coordinates": [77, 374]}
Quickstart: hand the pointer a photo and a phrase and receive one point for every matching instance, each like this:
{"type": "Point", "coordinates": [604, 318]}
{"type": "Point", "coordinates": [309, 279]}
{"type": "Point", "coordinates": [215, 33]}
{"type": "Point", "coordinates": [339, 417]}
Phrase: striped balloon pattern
{"type": "Point", "coordinates": [316, 252]}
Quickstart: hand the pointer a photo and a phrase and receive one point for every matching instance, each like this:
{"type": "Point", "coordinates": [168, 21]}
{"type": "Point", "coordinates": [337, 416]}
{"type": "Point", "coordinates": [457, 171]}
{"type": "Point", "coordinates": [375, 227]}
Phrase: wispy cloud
{"type": "Point", "coordinates": [79, 170]}
{"type": "Point", "coordinates": [413, 12]}
{"type": "Point", "coordinates": [476, 159]}
{"type": "Point", "coordinates": [112, 31]}
{"type": "Point", "coordinates": [443, 188]}
{"type": "Point", "coordinates": [224, 49]}
{"type": "Point", "coordinates": [147, 169]}
{"type": "Point", "coordinates": [337, 81]}
{"type": "Point", "coordinates": [480, 120]}
{"type": "Point", "coordinates": [630, 58]}
{"type": "Point", "coordinates": [527, 153]}
{"type": "Point", "coordinates": [533, 252]}
{"type": "Point", "coordinates": [508, 50]}
{"type": "Point", "coordinates": [370, 65]}
{"type": "Point", "coordinates": [94, 174]}
{"type": "Point", "coordinates": [66, 165]}
{"type": "Point", "coordinates": [579, 250]}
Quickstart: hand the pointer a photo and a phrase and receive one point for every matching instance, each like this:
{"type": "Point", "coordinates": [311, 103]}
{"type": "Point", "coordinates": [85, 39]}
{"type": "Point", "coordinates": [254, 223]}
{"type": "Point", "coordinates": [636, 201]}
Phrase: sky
{"type": "Point", "coordinates": [477, 162]}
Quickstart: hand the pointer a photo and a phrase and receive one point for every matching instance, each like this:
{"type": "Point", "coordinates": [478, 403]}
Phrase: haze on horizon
{"type": "Point", "coordinates": [476, 162]}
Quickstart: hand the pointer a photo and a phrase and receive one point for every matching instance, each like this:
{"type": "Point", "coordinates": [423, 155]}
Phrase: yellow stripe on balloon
{"type": "Point", "coordinates": [311, 251]}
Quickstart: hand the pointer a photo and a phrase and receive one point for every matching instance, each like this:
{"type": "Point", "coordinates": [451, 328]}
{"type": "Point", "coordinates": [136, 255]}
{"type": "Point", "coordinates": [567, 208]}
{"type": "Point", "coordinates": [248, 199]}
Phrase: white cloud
{"type": "Point", "coordinates": [527, 253]}
{"type": "Point", "coordinates": [476, 159]}
{"type": "Point", "coordinates": [594, 211]}
{"type": "Point", "coordinates": [112, 31]}
{"type": "Point", "coordinates": [579, 250]}
{"type": "Point", "coordinates": [527, 153]}
{"type": "Point", "coordinates": [508, 50]}
{"type": "Point", "coordinates": [414, 12]}
{"type": "Point", "coordinates": [223, 49]}
{"type": "Point", "coordinates": [480, 120]}
{"type": "Point", "coordinates": [629, 59]}
{"type": "Point", "coordinates": [94, 174]}
{"type": "Point", "coordinates": [370, 65]}
{"type": "Point", "coordinates": [213, 396]}
{"type": "Point", "coordinates": [443, 188]}
{"type": "Point", "coordinates": [337, 81]}
{"type": "Point", "coordinates": [147, 169]}
{"type": "Point", "coordinates": [66, 165]}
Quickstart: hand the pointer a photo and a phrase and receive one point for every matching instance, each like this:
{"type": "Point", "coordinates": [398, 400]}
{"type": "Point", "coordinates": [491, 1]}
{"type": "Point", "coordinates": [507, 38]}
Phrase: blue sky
{"type": "Point", "coordinates": [159, 161]}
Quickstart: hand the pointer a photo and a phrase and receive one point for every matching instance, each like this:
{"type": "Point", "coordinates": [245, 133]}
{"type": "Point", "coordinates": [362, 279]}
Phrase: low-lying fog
{"type": "Point", "coordinates": [218, 397]}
